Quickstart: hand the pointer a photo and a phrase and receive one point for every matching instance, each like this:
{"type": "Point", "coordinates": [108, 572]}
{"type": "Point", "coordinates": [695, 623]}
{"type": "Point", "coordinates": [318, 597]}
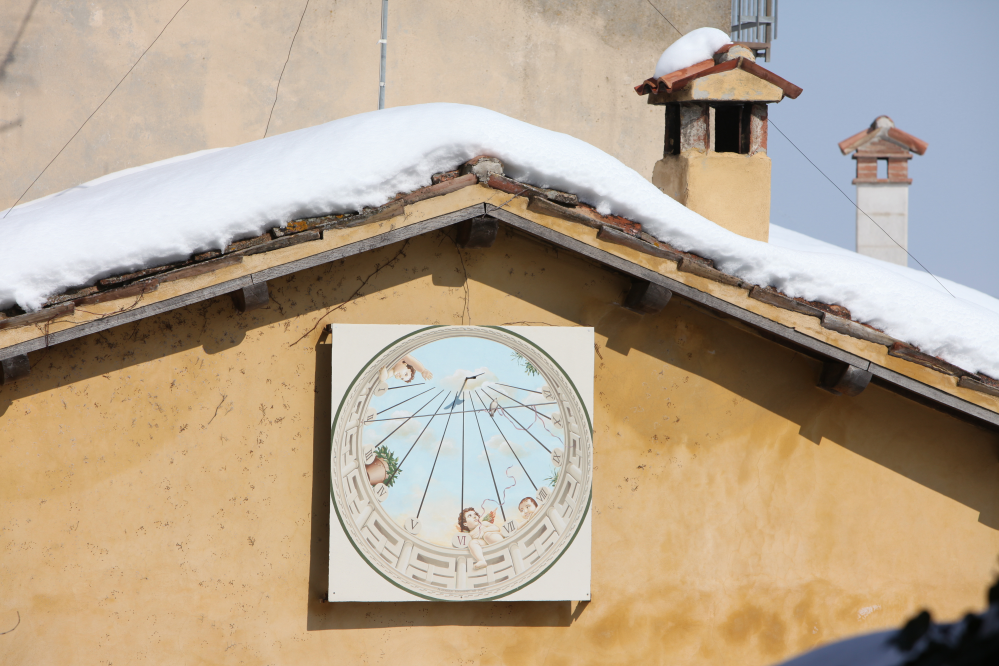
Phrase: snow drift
{"type": "Point", "coordinates": [168, 210]}
{"type": "Point", "coordinates": [692, 48]}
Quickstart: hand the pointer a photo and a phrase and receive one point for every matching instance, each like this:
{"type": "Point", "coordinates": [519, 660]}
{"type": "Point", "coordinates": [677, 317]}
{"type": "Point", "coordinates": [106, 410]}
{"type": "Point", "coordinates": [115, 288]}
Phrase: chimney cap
{"type": "Point", "coordinates": [882, 121]}
{"type": "Point", "coordinates": [883, 128]}
{"type": "Point", "coordinates": [660, 89]}
{"type": "Point", "coordinates": [733, 51]}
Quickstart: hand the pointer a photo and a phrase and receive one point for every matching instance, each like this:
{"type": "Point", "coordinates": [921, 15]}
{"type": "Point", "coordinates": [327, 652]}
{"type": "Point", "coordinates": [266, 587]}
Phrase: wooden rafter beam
{"type": "Point", "coordinates": [251, 297]}
{"type": "Point", "coordinates": [843, 379]}
{"type": "Point", "coordinates": [13, 368]}
{"type": "Point", "coordinates": [646, 297]}
{"type": "Point", "coordinates": [477, 232]}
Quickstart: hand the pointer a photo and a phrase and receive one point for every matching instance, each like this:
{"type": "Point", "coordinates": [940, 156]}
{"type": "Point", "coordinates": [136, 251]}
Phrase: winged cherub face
{"type": "Point", "coordinates": [527, 507]}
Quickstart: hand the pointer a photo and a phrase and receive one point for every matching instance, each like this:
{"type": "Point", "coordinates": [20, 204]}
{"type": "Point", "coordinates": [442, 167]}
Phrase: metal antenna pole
{"type": "Point", "coordinates": [384, 42]}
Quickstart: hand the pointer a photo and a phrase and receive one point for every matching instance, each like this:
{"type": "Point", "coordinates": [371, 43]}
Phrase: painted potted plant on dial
{"type": "Point", "coordinates": [384, 469]}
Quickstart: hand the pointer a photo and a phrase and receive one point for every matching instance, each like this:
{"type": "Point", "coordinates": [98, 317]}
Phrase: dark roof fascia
{"type": "Point", "coordinates": [768, 328]}
{"type": "Point", "coordinates": [135, 314]}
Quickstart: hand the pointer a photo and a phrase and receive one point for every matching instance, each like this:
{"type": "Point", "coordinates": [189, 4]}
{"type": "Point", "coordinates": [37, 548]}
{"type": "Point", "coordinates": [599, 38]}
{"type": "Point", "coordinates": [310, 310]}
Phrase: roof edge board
{"type": "Point", "coordinates": [932, 394]}
{"type": "Point", "coordinates": [381, 240]}
{"type": "Point", "coordinates": [357, 247]}
{"type": "Point", "coordinates": [792, 336]}
{"type": "Point", "coordinates": [111, 321]}
{"type": "Point", "coordinates": [677, 287]}
{"type": "Point", "coordinates": [778, 332]}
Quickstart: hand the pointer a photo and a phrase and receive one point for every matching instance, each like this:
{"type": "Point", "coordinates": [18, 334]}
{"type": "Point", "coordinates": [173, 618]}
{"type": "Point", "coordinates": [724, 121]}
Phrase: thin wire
{"type": "Point", "coordinates": [462, 503]}
{"type": "Point", "coordinates": [490, 463]}
{"type": "Point", "coordinates": [496, 425]}
{"type": "Point", "coordinates": [520, 389]}
{"type": "Point", "coordinates": [290, 47]}
{"type": "Point", "coordinates": [517, 423]}
{"type": "Point", "coordinates": [467, 411]}
{"type": "Point", "coordinates": [771, 122]}
{"type": "Point", "coordinates": [417, 440]}
{"type": "Point", "coordinates": [392, 388]}
{"type": "Point", "coordinates": [664, 16]}
{"type": "Point", "coordinates": [510, 199]}
{"type": "Point", "coordinates": [402, 403]}
{"type": "Point", "coordinates": [489, 388]}
{"type": "Point", "coordinates": [407, 421]}
{"type": "Point", "coordinates": [98, 108]}
{"type": "Point", "coordinates": [16, 625]}
{"type": "Point", "coordinates": [443, 435]}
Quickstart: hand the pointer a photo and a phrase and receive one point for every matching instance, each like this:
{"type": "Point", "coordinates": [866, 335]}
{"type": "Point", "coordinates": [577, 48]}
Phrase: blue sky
{"type": "Point", "coordinates": [925, 64]}
{"type": "Point", "coordinates": [451, 360]}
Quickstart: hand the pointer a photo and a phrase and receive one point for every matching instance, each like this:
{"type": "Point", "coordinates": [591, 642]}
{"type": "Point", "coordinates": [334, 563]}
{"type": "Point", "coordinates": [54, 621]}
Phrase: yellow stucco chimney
{"type": "Point", "coordinates": [715, 150]}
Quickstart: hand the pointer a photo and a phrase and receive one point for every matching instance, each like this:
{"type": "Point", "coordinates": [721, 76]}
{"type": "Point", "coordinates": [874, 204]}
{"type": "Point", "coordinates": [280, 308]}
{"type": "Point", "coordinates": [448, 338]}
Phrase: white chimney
{"type": "Point", "coordinates": [883, 152]}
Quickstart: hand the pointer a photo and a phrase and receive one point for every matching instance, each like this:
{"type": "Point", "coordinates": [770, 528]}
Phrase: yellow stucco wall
{"type": "Point", "coordinates": [164, 486]}
{"type": "Point", "coordinates": [209, 81]}
{"type": "Point", "coordinates": [729, 189]}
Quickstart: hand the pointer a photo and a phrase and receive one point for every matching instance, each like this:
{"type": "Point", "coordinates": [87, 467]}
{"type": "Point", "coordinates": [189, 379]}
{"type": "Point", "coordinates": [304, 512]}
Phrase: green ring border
{"type": "Point", "coordinates": [339, 518]}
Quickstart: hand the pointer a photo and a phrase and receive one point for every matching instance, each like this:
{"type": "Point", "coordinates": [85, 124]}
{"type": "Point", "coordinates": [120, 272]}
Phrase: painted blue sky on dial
{"type": "Point", "coordinates": [462, 433]}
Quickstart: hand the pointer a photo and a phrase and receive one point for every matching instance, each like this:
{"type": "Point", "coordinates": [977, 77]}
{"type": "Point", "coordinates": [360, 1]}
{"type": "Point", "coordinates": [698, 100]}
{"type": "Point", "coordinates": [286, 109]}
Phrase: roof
{"type": "Point", "coordinates": [812, 301]}
{"type": "Point", "coordinates": [675, 81]}
{"type": "Point", "coordinates": [882, 130]}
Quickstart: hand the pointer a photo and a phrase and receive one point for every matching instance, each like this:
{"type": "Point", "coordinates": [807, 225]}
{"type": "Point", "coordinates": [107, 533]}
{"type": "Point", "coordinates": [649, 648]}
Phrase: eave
{"type": "Point", "coordinates": [815, 329]}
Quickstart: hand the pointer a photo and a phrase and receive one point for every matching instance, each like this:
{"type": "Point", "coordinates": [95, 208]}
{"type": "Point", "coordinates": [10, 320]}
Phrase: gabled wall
{"type": "Point", "coordinates": [164, 485]}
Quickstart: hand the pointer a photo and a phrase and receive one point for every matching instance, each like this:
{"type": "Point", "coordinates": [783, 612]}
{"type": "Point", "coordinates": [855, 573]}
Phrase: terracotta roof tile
{"type": "Point", "coordinates": [678, 79]}
{"type": "Point", "coordinates": [891, 133]}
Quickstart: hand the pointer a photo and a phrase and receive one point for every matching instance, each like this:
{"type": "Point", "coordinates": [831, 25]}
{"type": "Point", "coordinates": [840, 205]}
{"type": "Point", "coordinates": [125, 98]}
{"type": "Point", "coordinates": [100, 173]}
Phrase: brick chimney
{"type": "Point", "coordinates": [715, 149]}
{"type": "Point", "coordinates": [882, 152]}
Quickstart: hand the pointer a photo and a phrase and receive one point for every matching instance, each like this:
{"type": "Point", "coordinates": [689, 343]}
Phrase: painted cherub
{"type": "Point", "coordinates": [405, 370]}
{"type": "Point", "coordinates": [483, 533]}
{"type": "Point", "coordinates": [527, 507]}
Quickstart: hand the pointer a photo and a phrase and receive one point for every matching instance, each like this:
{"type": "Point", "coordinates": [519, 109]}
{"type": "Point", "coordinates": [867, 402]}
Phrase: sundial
{"type": "Point", "coordinates": [461, 462]}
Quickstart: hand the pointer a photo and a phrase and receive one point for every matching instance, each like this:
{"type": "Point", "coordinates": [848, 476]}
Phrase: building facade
{"type": "Point", "coordinates": [166, 479]}
{"type": "Point", "coordinates": [767, 473]}
{"type": "Point", "coordinates": [211, 79]}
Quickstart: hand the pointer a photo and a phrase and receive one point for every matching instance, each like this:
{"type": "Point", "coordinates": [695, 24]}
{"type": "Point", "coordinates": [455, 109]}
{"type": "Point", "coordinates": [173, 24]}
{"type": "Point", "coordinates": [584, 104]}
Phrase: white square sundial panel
{"type": "Point", "coordinates": [461, 463]}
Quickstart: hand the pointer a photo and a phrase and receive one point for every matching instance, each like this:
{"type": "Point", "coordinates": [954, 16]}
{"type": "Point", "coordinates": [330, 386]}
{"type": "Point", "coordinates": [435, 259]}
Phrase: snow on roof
{"type": "Point", "coordinates": [172, 209]}
{"type": "Point", "coordinates": [794, 240]}
{"type": "Point", "coordinates": [692, 48]}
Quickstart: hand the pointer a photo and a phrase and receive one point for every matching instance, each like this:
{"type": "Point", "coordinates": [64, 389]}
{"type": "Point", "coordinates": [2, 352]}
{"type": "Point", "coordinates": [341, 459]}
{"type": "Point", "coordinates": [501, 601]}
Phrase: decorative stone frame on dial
{"type": "Point", "coordinates": [432, 571]}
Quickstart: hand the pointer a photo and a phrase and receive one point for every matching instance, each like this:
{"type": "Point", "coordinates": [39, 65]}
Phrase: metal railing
{"type": "Point", "coordinates": [754, 25]}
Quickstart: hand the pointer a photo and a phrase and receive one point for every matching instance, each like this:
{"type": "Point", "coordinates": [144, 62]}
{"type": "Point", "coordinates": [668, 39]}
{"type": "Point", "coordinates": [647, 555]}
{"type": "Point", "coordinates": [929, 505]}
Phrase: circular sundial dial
{"type": "Point", "coordinates": [461, 462]}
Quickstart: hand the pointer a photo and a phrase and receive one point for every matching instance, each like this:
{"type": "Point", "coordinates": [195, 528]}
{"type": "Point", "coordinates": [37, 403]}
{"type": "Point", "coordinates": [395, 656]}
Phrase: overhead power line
{"type": "Point", "coordinates": [664, 17]}
{"type": "Point", "coordinates": [771, 122]}
{"type": "Point", "coordinates": [290, 47]}
{"type": "Point", "coordinates": [98, 107]}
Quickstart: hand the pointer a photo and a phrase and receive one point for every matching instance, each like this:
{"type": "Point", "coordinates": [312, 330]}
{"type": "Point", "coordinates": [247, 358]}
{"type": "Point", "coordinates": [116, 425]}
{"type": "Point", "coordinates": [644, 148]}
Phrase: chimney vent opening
{"type": "Point", "coordinates": [731, 130]}
{"type": "Point", "coordinates": [673, 130]}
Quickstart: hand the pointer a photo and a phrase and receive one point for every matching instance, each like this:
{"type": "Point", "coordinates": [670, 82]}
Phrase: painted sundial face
{"type": "Point", "coordinates": [461, 462]}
